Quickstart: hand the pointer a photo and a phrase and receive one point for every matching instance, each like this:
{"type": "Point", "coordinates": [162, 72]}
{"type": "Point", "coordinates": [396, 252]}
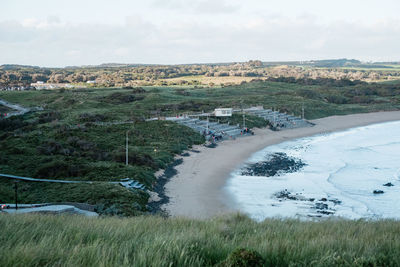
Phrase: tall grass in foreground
{"type": "Point", "coordinates": [37, 240]}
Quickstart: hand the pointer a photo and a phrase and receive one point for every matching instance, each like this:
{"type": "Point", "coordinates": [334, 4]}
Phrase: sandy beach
{"type": "Point", "coordinates": [197, 190]}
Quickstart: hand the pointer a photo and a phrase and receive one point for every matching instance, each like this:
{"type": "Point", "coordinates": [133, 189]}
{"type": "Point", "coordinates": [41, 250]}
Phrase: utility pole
{"type": "Point", "coordinates": [244, 120]}
{"type": "Point", "coordinates": [16, 194]}
{"type": "Point", "coordinates": [207, 124]}
{"type": "Point", "coordinates": [126, 150]}
{"type": "Point", "coordinates": [302, 111]}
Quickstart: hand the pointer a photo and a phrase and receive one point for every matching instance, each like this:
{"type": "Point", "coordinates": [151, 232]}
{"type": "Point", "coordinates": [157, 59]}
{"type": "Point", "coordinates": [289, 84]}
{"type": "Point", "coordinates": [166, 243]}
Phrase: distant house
{"type": "Point", "coordinates": [41, 85]}
{"type": "Point", "coordinates": [15, 88]}
{"type": "Point", "coordinates": [91, 82]}
{"type": "Point", "coordinates": [223, 112]}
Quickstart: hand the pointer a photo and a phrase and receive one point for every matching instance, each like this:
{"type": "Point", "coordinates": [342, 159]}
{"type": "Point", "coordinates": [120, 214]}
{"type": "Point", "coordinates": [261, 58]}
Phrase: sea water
{"type": "Point", "coordinates": [343, 170]}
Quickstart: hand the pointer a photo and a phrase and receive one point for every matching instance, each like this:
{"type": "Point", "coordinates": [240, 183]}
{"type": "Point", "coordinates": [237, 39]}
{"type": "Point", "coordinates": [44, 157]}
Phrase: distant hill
{"type": "Point", "coordinates": [17, 67]}
{"type": "Point", "coordinates": [325, 63]}
{"type": "Point", "coordinates": [333, 63]}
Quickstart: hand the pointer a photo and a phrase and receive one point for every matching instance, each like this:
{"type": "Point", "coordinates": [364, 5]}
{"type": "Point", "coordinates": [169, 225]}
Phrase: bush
{"type": "Point", "coordinates": [337, 99]}
{"type": "Point", "coordinates": [138, 90]}
{"type": "Point", "coordinates": [88, 117]}
{"type": "Point", "coordinates": [182, 92]}
{"type": "Point", "coordinates": [49, 116]}
{"type": "Point", "coordinates": [243, 257]}
{"type": "Point", "coordinates": [51, 147]}
{"type": "Point", "coordinates": [135, 159]}
{"type": "Point", "coordinates": [311, 94]}
{"type": "Point", "coordinates": [80, 144]}
{"type": "Point", "coordinates": [121, 98]}
{"type": "Point", "coordinates": [11, 124]}
{"type": "Point", "coordinates": [60, 169]}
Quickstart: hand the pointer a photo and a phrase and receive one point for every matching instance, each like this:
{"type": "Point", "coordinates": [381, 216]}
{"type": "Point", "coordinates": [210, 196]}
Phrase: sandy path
{"type": "Point", "coordinates": [197, 190]}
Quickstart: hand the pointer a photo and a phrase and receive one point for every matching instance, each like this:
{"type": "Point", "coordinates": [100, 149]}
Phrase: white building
{"type": "Point", "coordinates": [223, 112]}
{"type": "Point", "coordinates": [42, 85]}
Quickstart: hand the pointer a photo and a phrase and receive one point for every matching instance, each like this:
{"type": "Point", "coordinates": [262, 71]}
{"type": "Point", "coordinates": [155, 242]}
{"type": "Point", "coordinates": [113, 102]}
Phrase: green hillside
{"type": "Point", "coordinates": [33, 240]}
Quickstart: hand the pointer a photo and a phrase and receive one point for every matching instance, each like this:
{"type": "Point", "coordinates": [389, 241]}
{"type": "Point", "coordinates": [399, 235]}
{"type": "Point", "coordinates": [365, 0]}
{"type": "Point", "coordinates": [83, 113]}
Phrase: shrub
{"type": "Point", "coordinates": [49, 116]}
{"type": "Point", "coordinates": [121, 98]}
{"type": "Point", "coordinates": [60, 169]}
{"type": "Point", "coordinates": [11, 124]}
{"type": "Point", "coordinates": [138, 90]}
{"type": "Point", "coordinates": [88, 117]}
{"type": "Point", "coordinates": [311, 94]}
{"type": "Point", "coordinates": [337, 99]}
{"type": "Point", "coordinates": [243, 257]}
{"type": "Point", "coordinates": [51, 147]}
{"type": "Point", "coordinates": [135, 159]}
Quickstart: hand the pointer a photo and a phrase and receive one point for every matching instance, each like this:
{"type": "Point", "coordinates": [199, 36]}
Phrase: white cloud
{"type": "Point", "coordinates": [198, 6]}
{"type": "Point", "coordinates": [228, 35]}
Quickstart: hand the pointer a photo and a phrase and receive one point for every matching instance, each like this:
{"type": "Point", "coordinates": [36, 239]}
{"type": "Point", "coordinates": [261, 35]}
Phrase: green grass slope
{"type": "Point", "coordinates": [33, 240]}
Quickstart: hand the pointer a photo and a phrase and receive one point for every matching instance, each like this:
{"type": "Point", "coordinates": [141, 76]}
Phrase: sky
{"type": "Point", "coordinates": [58, 33]}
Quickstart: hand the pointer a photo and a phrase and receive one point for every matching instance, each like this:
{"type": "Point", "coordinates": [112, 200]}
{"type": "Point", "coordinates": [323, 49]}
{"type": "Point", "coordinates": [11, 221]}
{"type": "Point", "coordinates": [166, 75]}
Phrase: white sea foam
{"type": "Point", "coordinates": [347, 166]}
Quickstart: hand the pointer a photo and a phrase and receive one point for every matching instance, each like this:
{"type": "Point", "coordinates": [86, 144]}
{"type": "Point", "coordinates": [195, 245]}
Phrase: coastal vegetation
{"type": "Point", "coordinates": [4, 110]}
{"type": "Point", "coordinates": [80, 133]}
{"type": "Point", "coordinates": [236, 240]}
{"type": "Point", "coordinates": [218, 74]}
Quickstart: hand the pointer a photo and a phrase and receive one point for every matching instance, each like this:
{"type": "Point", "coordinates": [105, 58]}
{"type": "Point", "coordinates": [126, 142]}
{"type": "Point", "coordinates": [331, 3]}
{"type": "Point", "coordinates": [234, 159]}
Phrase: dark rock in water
{"type": "Point", "coordinates": [284, 194]}
{"type": "Point", "coordinates": [378, 192]}
{"type": "Point", "coordinates": [276, 164]}
{"type": "Point", "coordinates": [323, 199]}
{"type": "Point", "coordinates": [314, 215]}
{"type": "Point", "coordinates": [388, 184]}
{"type": "Point", "coordinates": [325, 212]}
{"type": "Point", "coordinates": [335, 201]}
{"type": "Point", "coordinates": [321, 206]}
{"type": "Point", "coordinates": [186, 154]}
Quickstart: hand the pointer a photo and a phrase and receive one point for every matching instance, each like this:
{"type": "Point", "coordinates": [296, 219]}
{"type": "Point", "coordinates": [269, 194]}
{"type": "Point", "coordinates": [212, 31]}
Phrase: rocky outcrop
{"type": "Point", "coordinates": [275, 164]}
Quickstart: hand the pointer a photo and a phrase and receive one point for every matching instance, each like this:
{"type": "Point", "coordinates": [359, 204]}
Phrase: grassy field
{"type": "Point", "coordinates": [204, 80]}
{"type": "Point", "coordinates": [34, 240]}
{"type": "Point", "coordinates": [73, 138]}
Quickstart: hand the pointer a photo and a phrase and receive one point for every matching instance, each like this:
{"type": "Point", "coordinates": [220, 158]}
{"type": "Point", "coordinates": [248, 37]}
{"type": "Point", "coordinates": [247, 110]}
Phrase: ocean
{"type": "Point", "coordinates": [342, 171]}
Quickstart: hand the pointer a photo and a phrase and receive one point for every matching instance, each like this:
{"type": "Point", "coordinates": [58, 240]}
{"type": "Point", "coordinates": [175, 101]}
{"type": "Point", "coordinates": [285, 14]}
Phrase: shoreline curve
{"type": "Point", "coordinates": [197, 190]}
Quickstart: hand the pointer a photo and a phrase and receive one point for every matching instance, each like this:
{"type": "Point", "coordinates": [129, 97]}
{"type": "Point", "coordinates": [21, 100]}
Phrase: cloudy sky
{"type": "Point", "coordinates": [76, 32]}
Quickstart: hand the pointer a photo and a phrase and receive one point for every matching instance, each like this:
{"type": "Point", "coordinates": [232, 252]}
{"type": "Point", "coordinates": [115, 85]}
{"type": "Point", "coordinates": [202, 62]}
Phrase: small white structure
{"type": "Point", "coordinates": [223, 112]}
{"type": "Point", "coordinates": [41, 85]}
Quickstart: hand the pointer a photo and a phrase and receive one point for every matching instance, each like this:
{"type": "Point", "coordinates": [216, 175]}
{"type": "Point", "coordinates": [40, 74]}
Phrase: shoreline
{"type": "Point", "coordinates": [197, 190]}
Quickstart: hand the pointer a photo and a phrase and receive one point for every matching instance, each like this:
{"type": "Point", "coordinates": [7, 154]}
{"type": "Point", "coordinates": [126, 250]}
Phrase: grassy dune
{"type": "Point", "coordinates": [33, 240]}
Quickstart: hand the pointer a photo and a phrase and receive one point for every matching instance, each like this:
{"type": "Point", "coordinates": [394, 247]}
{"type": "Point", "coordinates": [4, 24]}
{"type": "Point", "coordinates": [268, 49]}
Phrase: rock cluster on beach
{"type": "Point", "coordinates": [276, 164]}
{"type": "Point", "coordinates": [318, 207]}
